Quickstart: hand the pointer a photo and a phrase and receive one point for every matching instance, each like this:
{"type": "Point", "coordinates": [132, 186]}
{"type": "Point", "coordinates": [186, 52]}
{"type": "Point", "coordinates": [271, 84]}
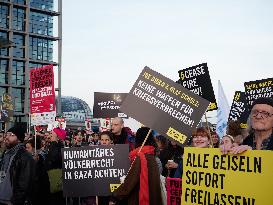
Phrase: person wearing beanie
{"type": "Point", "coordinates": [261, 120]}
{"type": "Point", "coordinates": [17, 168]}
{"type": "Point", "coordinates": [142, 184]}
{"type": "Point", "coordinates": [60, 133]}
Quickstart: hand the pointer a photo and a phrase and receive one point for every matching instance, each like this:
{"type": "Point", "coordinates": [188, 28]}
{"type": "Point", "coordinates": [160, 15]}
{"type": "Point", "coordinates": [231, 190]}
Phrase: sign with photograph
{"type": "Point", "coordinates": [106, 105]}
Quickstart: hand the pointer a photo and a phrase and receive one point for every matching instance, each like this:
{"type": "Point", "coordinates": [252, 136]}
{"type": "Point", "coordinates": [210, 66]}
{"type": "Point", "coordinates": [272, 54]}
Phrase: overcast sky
{"type": "Point", "coordinates": [106, 44]}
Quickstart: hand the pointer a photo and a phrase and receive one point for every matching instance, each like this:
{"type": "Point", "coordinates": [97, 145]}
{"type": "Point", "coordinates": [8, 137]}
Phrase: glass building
{"type": "Point", "coordinates": [76, 111]}
{"type": "Point", "coordinates": [34, 27]}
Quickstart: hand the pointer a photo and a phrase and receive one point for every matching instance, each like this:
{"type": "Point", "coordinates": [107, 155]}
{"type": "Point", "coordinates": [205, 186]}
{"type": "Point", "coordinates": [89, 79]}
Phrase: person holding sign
{"type": "Point", "coordinates": [227, 140]}
{"type": "Point", "coordinates": [142, 184]}
{"type": "Point", "coordinates": [261, 117]}
{"type": "Point", "coordinates": [42, 186]}
{"type": "Point", "coordinates": [201, 139]}
{"type": "Point", "coordinates": [106, 139]}
{"type": "Point", "coordinates": [170, 158]}
{"type": "Point", "coordinates": [53, 164]}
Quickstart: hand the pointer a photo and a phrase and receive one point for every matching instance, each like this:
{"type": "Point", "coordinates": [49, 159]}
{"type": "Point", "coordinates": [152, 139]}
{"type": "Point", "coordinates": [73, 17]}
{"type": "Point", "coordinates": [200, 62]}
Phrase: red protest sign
{"type": "Point", "coordinates": [42, 95]}
{"type": "Point", "coordinates": [174, 191]}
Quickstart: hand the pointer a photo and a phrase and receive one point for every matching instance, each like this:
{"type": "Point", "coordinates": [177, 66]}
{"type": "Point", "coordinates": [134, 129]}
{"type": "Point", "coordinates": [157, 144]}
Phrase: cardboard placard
{"type": "Point", "coordinates": [239, 109]}
{"type": "Point", "coordinates": [93, 170]}
{"type": "Point", "coordinates": [197, 80]}
{"type": "Point", "coordinates": [210, 177]}
{"type": "Point", "coordinates": [106, 105]}
{"type": "Point", "coordinates": [163, 105]}
{"type": "Point", "coordinates": [257, 89]}
{"type": "Point", "coordinates": [174, 191]}
{"type": "Point", "coordinates": [42, 96]}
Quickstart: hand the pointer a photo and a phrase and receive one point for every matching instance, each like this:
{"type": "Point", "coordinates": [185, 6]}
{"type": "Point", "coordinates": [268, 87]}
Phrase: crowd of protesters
{"type": "Point", "coordinates": [31, 168]}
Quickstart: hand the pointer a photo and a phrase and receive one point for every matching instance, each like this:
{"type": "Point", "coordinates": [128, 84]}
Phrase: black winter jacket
{"type": "Point", "coordinates": [22, 172]}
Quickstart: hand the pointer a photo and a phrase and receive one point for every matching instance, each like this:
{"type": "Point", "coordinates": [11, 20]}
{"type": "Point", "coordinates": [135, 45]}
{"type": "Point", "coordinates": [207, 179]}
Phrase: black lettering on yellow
{"type": "Point", "coordinates": [188, 178]}
{"type": "Point", "coordinates": [257, 164]}
{"type": "Point", "coordinates": [223, 198]}
{"type": "Point", "coordinates": [189, 163]}
{"type": "Point", "coordinates": [200, 195]}
{"type": "Point", "coordinates": [193, 196]}
{"type": "Point", "coordinates": [241, 164]}
{"type": "Point", "coordinates": [234, 165]}
{"type": "Point", "coordinates": [237, 200]}
{"type": "Point", "coordinates": [215, 163]}
{"type": "Point", "coordinates": [229, 199]}
{"type": "Point", "coordinates": [216, 199]}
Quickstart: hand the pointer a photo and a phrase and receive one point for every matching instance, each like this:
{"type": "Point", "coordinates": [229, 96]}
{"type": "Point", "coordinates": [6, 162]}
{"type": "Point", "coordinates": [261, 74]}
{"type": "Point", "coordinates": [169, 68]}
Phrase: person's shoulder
{"type": "Point", "coordinates": [23, 155]}
{"type": "Point", "coordinates": [248, 140]}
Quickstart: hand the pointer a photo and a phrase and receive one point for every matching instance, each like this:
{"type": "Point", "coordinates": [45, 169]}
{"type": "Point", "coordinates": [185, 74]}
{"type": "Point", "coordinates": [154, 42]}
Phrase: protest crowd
{"type": "Point", "coordinates": [33, 173]}
{"type": "Point", "coordinates": [162, 163]}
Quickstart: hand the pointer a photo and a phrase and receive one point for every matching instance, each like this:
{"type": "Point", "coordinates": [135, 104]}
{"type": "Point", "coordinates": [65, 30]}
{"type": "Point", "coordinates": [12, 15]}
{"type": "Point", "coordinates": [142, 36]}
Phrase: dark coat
{"type": "Point", "coordinates": [170, 153]}
{"type": "Point", "coordinates": [42, 185]}
{"type": "Point", "coordinates": [22, 172]}
{"type": "Point", "coordinates": [130, 187]}
{"type": "Point", "coordinates": [126, 137]}
{"type": "Point", "coordinates": [54, 157]}
{"type": "Point", "coordinates": [249, 140]}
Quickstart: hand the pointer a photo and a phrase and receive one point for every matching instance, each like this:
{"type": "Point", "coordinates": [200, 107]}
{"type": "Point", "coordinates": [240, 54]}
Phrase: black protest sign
{"type": "Point", "coordinates": [239, 109]}
{"type": "Point", "coordinates": [93, 170]}
{"type": "Point", "coordinates": [197, 80]}
{"type": "Point", "coordinates": [258, 89]}
{"type": "Point", "coordinates": [7, 108]}
{"type": "Point", "coordinates": [106, 105]}
{"type": "Point", "coordinates": [163, 105]}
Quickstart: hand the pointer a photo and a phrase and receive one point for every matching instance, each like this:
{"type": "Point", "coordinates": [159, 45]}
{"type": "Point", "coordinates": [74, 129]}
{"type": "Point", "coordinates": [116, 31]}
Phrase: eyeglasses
{"type": "Point", "coordinates": [264, 114]}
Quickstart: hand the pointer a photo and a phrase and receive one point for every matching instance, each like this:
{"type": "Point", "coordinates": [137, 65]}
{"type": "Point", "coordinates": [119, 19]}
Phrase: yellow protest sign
{"type": "Point", "coordinates": [210, 178]}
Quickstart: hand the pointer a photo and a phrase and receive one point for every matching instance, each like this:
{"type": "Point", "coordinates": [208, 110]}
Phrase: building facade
{"type": "Point", "coordinates": [35, 28]}
{"type": "Point", "coordinates": [76, 111]}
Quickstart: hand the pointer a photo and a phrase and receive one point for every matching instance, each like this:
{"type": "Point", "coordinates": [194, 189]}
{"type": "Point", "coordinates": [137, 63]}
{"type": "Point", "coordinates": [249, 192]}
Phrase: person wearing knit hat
{"type": "Point", "coordinates": [142, 184]}
{"type": "Point", "coordinates": [61, 134]}
{"type": "Point", "coordinates": [19, 132]}
{"type": "Point", "coordinates": [53, 165]}
{"type": "Point", "coordinates": [261, 120]}
{"type": "Point", "coordinates": [17, 169]}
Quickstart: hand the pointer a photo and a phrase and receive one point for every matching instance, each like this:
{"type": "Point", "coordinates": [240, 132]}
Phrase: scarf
{"type": "Point", "coordinates": [7, 156]}
{"type": "Point", "coordinates": [144, 182]}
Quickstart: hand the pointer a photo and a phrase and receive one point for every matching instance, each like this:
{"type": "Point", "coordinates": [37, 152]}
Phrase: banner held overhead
{"type": "Point", "coordinates": [106, 105]}
{"type": "Point", "coordinates": [197, 79]}
{"type": "Point", "coordinates": [239, 109]}
{"type": "Point", "coordinates": [163, 105]}
{"type": "Point", "coordinates": [42, 96]}
{"type": "Point", "coordinates": [258, 89]}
